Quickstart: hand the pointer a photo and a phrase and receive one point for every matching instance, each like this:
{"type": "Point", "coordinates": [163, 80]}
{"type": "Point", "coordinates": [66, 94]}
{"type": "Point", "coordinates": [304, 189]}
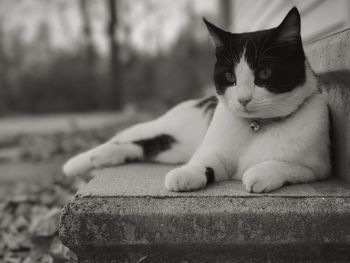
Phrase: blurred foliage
{"type": "Point", "coordinates": [57, 145]}
{"type": "Point", "coordinates": [37, 77]}
{"type": "Point", "coordinates": [29, 221]}
{"type": "Point", "coordinates": [169, 78]}
{"type": "Point", "coordinates": [29, 211]}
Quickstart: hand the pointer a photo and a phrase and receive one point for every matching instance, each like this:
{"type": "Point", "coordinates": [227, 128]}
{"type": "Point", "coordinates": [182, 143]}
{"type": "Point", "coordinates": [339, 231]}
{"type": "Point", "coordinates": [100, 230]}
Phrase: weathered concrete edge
{"type": "Point", "coordinates": [330, 53]}
{"type": "Point", "coordinates": [107, 222]}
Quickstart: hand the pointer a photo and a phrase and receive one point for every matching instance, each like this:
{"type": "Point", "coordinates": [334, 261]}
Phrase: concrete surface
{"type": "Point", "coordinates": [330, 53]}
{"type": "Point", "coordinates": [330, 57]}
{"type": "Point", "coordinates": [125, 213]}
{"type": "Point", "coordinates": [147, 180]}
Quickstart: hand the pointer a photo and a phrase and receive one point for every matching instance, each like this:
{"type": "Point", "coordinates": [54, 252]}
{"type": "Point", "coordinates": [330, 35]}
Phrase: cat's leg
{"type": "Point", "coordinates": [116, 151]}
{"type": "Point", "coordinates": [133, 145]}
{"type": "Point", "coordinates": [106, 154]}
{"type": "Point", "coordinates": [110, 154]}
{"type": "Point", "coordinates": [271, 175]}
{"type": "Point", "coordinates": [204, 168]}
{"type": "Point", "coordinates": [161, 148]}
{"type": "Point", "coordinates": [214, 160]}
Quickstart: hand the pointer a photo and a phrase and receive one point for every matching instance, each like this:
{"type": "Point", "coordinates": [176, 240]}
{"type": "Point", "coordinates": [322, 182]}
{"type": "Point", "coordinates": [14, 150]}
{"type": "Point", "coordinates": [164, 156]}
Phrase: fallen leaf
{"type": "Point", "coordinates": [47, 224]}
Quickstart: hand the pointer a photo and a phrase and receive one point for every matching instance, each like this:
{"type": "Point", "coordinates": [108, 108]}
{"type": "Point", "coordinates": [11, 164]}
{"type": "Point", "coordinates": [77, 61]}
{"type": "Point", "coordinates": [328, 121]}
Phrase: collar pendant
{"type": "Point", "coordinates": [255, 125]}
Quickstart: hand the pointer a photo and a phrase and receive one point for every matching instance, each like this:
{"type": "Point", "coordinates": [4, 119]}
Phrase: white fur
{"type": "Point", "coordinates": [185, 122]}
{"type": "Point", "coordinates": [294, 150]}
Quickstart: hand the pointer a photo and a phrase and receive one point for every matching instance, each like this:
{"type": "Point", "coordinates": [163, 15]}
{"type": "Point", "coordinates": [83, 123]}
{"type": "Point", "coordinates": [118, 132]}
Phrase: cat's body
{"type": "Point", "coordinates": [172, 138]}
{"type": "Point", "coordinates": [268, 126]}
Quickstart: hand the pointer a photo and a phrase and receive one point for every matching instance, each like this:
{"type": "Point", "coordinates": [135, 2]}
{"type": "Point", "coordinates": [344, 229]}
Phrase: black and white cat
{"type": "Point", "coordinates": [267, 126]}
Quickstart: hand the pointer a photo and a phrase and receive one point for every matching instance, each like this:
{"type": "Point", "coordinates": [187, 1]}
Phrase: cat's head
{"type": "Point", "coordinates": [262, 74]}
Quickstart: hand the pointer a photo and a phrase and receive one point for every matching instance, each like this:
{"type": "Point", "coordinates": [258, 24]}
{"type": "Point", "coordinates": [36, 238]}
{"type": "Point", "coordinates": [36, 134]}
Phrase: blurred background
{"type": "Point", "coordinates": [74, 72]}
{"type": "Point", "coordinates": [84, 55]}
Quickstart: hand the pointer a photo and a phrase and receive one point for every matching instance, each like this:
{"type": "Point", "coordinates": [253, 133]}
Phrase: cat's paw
{"type": "Point", "coordinates": [77, 165]}
{"type": "Point", "coordinates": [259, 181]}
{"type": "Point", "coordinates": [185, 178]}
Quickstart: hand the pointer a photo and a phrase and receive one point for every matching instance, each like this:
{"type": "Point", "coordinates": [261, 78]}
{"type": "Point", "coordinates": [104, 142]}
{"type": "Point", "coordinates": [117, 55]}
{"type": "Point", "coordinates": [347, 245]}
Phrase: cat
{"type": "Point", "coordinates": [268, 124]}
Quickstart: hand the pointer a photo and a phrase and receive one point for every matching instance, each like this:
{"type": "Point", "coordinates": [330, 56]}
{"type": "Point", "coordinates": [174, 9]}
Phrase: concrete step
{"type": "Point", "coordinates": [125, 215]}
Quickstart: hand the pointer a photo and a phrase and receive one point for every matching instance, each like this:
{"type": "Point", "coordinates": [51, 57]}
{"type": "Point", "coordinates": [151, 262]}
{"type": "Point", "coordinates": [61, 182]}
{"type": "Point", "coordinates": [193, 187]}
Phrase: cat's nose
{"type": "Point", "coordinates": [244, 101]}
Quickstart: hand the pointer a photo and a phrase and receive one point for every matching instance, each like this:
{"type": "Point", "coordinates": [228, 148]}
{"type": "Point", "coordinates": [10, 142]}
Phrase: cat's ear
{"type": "Point", "coordinates": [216, 34]}
{"type": "Point", "coordinates": [289, 29]}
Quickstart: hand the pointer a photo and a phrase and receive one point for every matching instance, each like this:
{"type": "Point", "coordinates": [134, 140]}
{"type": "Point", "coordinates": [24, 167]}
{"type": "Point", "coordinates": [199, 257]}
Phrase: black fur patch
{"type": "Point", "coordinates": [209, 173]}
{"type": "Point", "coordinates": [153, 146]}
{"type": "Point", "coordinates": [278, 49]}
{"type": "Point", "coordinates": [132, 160]}
{"type": "Point", "coordinates": [208, 105]}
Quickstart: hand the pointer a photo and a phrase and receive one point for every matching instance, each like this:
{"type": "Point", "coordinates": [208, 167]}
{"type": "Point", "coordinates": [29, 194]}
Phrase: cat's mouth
{"type": "Point", "coordinates": [246, 110]}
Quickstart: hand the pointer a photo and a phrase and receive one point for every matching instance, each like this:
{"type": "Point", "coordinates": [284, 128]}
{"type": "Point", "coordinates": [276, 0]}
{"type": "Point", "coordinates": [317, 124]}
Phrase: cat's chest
{"type": "Point", "coordinates": [235, 136]}
{"type": "Point", "coordinates": [269, 141]}
{"type": "Point", "coordinates": [290, 137]}
{"type": "Point", "coordinates": [241, 146]}
{"type": "Point", "coordinates": [253, 137]}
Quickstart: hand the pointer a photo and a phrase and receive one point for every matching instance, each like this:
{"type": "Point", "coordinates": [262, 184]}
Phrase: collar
{"type": "Point", "coordinates": [256, 124]}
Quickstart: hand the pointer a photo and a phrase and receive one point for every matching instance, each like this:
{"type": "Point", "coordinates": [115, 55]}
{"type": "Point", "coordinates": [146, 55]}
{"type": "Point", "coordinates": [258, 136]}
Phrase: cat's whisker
{"type": "Point", "coordinates": [229, 51]}
{"type": "Point", "coordinates": [265, 40]}
{"type": "Point", "coordinates": [269, 57]}
{"type": "Point", "coordinates": [226, 60]}
{"type": "Point", "coordinates": [230, 56]}
{"type": "Point", "coordinates": [263, 100]}
{"type": "Point", "coordinates": [232, 53]}
{"type": "Point", "coordinates": [227, 64]}
{"type": "Point", "coordinates": [255, 50]}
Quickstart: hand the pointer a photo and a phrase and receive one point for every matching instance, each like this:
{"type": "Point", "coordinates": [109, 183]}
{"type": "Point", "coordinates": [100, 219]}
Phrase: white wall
{"type": "Point", "coordinates": [319, 17]}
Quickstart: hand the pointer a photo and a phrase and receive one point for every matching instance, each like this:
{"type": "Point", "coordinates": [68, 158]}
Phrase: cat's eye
{"type": "Point", "coordinates": [264, 73]}
{"type": "Point", "coordinates": [230, 77]}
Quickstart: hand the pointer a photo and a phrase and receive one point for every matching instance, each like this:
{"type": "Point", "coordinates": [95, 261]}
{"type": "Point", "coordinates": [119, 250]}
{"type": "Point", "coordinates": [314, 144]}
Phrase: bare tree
{"type": "Point", "coordinates": [90, 53]}
{"type": "Point", "coordinates": [87, 29]}
{"type": "Point", "coordinates": [226, 13]}
{"type": "Point", "coordinates": [4, 85]}
{"type": "Point", "coordinates": [116, 82]}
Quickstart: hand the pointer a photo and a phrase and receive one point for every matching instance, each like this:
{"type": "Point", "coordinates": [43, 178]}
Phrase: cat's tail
{"type": "Point", "coordinates": [78, 164]}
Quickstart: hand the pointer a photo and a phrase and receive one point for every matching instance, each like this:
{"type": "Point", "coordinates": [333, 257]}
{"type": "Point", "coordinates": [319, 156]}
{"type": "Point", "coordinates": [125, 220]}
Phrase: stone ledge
{"type": "Point", "coordinates": [330, 57]}
{"type": "Point", "coordinates": [330, 53]}
{"type": "Point", "coordinates": [124, 213]}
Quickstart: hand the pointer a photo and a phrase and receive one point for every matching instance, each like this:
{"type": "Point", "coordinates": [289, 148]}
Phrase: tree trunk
{"type": "Point", "coordinates": [226, 13]}
{"type": "Point", "coordinates": [90, 84]}
{"type": "Point", "coordinates": [5, 94]}
{"type": "Point", "coordinates": [116, 89]}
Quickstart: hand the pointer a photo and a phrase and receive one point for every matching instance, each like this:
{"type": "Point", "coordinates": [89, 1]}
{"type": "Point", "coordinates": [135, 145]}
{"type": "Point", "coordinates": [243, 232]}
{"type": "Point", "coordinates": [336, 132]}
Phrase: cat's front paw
{"type": "Point", "coordinates": [259, 181]}
{"type": "Point", "coordinates": [185, 178]}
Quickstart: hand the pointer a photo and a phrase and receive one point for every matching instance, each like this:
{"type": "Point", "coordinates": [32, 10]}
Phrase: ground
{"type": "Point", "coordinates": [32, 187]}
